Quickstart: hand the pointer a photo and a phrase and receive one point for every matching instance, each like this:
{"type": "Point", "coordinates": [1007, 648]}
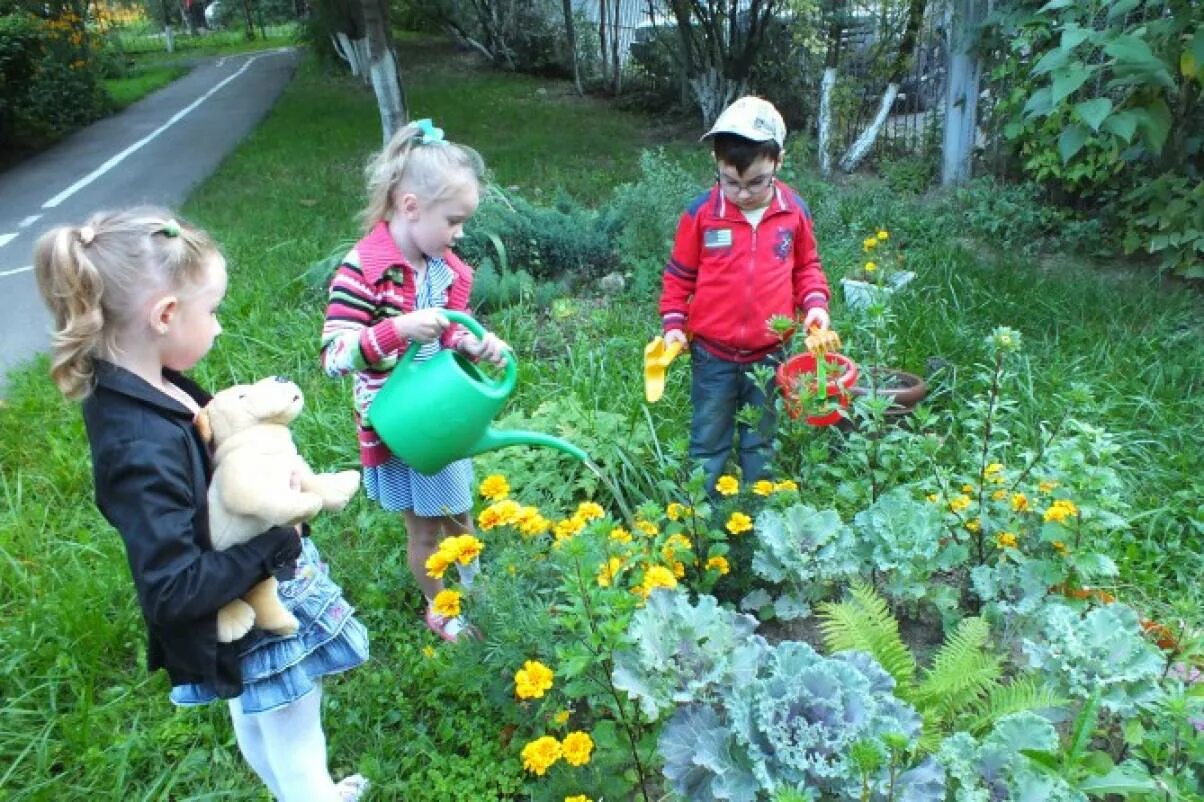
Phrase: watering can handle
{"type": "Point", "coordinates": [506, 383]}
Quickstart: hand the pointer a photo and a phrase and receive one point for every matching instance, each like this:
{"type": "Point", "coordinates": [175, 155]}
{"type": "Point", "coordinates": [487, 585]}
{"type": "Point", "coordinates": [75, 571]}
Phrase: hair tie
{"type": "Point", "coordinates": [429, 134]}
{"type": "Point", "coordinates": [170, 229]}
{"type": "Point", "coordinates": [86, 235]}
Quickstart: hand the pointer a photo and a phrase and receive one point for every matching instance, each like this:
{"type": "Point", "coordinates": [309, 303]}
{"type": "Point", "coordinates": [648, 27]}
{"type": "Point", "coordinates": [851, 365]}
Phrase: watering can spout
{"type": "Point", "coordinates": [493, 438]}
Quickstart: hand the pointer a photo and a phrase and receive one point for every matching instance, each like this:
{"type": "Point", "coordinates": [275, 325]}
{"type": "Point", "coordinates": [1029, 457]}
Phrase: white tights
{"type": "Point", "coordinates": [287, 749]}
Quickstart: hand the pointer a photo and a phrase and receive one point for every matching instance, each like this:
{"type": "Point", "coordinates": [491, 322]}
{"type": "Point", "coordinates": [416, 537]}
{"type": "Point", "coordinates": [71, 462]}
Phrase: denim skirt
{"type": "Point", "coordinates": [278, 670]}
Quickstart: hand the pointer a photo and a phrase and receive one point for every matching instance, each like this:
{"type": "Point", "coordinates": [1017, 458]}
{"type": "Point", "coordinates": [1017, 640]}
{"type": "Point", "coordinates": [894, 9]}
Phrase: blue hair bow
{"type": "Point", "coordinates": [430, 135]}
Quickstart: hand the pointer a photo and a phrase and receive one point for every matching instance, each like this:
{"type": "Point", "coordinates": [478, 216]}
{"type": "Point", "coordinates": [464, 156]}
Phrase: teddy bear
{"type": "Point", "coordinates": [261, 481]}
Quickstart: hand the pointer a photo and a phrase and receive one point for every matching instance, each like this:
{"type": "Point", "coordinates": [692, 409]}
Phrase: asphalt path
{"type": "Point", "coordinates": [155, 151]}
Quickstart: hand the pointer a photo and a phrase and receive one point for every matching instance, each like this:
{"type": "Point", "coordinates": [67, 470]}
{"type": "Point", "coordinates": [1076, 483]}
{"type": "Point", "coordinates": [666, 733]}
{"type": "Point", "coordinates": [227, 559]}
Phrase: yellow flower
{"type": "Point", "coordinates": [675, 511]}
{"type": "Point", "coordinates": [968, 488]}
{"type": "Point", "coordinates": [679, 569]}
{"type": "Point", "coordinates": [540, 754]}
{"type": "Point", "coordinates": [428, 650]}
{"type": "Point", "coordinates": [1006, 540]}
{"type": "Point", "coordinates": [870, 267]}
{"type": "Point", "coordinates": [561, 718]}
{"type": "Point", "coordinates": [533, 680]}
{"type": "Point", "coordinates": [577, 798]}
{"type": "Point", "coordinates": [568, 527]}
{"type": "Point", "coordinates": [1060, 547]}
{"type": "Point", "coordinates": [727, 485]}
{"type": "Point", "coordinates": [675, 543]}
{"type": "Point", "coordinates": [868, 243]}
{"type": "Point", "coordinates": [933, 498]}
{"type": "Point", "coordinates": [620, 535]}
{"type": "Point", "coordinates": [508, 510]}
{"type": "Point", "coordinates": [992, 472]}
{"type": "Point", "coordinates": [438, 563]}
{"type": "Point", "coordinates": [533, 524]}
{"type": "Point", "coordinates": [974, 525]}
{"type": "Point", "coordinates": [589, 510]}
{"type": "Point", "coordinates": [577, 747]}
{"type": "Point", "coordinates": [488, 519]}
{"type": "Point", "coordinates": [657, 576]}
{"type": "Point", "coordinates": [1000, 494]}
{"type": "Point", "coordinates": [467, 548]}
{"type": "Point", "coordinates": [883, 235]}
{"type": "Point", "coordinates": [718, 563]}
{"type": "Point", "coordinates": [494, 487]}
{"type": "Point", "coordinates": [447, 603]}
{"type": "Point", "coordinates": [786, 486]}
{"type": "Point", "coordinates": [763, 487]}
{"type": "Point", "coordinates": [959, 503]}
{"type": "Point", "coordinates": [1019, 502]}
{"type": "Point", "coordinates": [1061, 509]}
{"type": "Point", "coordinates": [647, 527]}
{"type": "Point", "coordinates": [1047, 485]}
{"type": "Point", "coordinates": [608, 572]}
{"type": "Point", "coordinates": [738, 522]}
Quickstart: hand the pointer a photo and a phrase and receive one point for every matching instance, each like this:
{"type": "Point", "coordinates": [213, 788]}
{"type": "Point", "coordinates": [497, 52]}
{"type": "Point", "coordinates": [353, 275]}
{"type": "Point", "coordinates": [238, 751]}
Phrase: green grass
{"type": "Point", "coordinates": [146, 43]}
{"type": "Point", "coordinates": [128, 90]}
{"type": "Point", "coordinates": [80, 718]}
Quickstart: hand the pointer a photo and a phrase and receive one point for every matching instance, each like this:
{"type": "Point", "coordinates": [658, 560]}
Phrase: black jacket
{"type": "Point", "coordinates": [152, 471]}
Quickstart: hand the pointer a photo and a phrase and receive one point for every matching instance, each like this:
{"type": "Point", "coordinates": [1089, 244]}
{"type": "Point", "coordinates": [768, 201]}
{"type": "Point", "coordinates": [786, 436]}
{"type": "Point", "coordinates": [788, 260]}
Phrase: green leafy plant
{"type": "Point", "coordinates": [804, 551]}
{"type": "Point", "coordinates": [962, 687]}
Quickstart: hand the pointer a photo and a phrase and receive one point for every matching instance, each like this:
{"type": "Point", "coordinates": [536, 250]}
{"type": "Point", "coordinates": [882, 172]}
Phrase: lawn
{"type": "Point", "coordinates": [82, 719]}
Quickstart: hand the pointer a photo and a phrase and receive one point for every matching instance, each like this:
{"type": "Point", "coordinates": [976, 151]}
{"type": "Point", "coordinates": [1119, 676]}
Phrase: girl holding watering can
{"type": "Point", "coordinates": [391, 290]}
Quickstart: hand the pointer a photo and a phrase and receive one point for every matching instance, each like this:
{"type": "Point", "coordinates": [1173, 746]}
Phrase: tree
{"type": "Point", "coordinates": [382, 67]}
{"type": "Point", "coordinates": [961, 94]}
{"type": "Point", "coordinates": [907, 47]}
{"type": "Point", "coordinates": [719, 41]}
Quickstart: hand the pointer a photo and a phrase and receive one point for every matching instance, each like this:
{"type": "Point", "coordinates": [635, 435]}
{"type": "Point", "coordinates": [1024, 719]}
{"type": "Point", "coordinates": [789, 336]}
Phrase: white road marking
{"type": "Point", "coordinates": [113, 162]}
{"type": "Point", "coordinates": [29, 221]}
{"type": "Point", "coordinates": [25, 269]}
{"type": "Point", "coordinates": [7, 238]}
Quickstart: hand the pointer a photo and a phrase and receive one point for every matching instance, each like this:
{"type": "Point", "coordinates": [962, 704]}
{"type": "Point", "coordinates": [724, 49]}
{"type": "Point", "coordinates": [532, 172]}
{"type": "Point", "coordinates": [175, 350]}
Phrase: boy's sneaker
{"type": "Point", "coordinates": [449, 629]}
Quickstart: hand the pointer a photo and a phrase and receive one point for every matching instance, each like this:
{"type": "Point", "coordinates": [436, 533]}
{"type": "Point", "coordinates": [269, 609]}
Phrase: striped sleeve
{"type": "Point", "coordinates": [351, 342]}
{"type": "Point", "coordinates": [680, 275]}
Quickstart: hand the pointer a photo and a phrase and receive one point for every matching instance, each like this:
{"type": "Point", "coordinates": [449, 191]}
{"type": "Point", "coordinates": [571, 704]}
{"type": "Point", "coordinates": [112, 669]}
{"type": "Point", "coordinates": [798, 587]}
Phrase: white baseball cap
{"type": "Point", "coordinates": [752, 118]}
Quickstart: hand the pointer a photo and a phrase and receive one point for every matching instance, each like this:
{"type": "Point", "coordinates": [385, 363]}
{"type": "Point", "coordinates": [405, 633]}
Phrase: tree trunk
{"type": "Point", "coordinates": [382, 68]}
{"type": "Point", "coordinates": [603, 50]}
{"type": "Point", "coordinates": [865, 142]}
{"type": "Point", "coordinates": [616, 64]}
{"type": "Point", "coordinates": [961, 94]}
{"type": "Point", "coordinates": [571, 31]}
{"type": "Point", "coordinates": [250, 19]}
{"type": "Point", "coordinates": [714, 93]}
{"type": "Point", "coordinates": [824, 134]}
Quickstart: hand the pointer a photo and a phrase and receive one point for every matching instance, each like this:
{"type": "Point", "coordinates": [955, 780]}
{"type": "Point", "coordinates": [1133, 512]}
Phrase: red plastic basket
{"type": "Point", "coordinates": [797, 368]}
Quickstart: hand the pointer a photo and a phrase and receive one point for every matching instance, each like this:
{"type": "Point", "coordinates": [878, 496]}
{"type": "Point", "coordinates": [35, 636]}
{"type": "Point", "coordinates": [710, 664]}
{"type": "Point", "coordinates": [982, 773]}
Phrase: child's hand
{"type": "Point", "coordinates": [423, 326]}
{"type": "Point", "coordinates": [675, 336]}
{"type": "Point", "coordinates": [491, 347]}
{"type": "Point", "coordinates": [817, 316]}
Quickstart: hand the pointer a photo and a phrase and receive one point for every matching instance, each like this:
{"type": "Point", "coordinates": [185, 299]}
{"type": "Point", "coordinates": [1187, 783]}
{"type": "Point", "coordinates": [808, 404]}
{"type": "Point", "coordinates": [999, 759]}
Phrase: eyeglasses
{"type": "Point", "coordinates": [753, 187]}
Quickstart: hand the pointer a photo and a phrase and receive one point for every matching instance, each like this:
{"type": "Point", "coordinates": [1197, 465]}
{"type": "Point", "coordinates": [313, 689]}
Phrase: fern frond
{"type": "Point", "coordinates": [864, 623]}
{"type": "Point", "coordinates": [1023, 693]}
{"type": "Point", "coordinates": [962, 671]}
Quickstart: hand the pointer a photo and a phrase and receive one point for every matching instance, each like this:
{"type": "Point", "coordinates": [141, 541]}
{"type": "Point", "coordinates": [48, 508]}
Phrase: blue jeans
{"type": "Point", "coordinates": [718, 389]}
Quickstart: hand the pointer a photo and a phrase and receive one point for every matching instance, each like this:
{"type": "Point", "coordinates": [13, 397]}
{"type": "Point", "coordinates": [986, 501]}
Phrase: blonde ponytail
{"type": "Point", "coordinates": [92, 279]}
{"type": "Point", "coordinates": [425, 164]}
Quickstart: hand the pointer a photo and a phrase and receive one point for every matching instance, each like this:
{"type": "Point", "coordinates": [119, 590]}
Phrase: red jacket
{"type": "Point", "coordinates": [725, 279]}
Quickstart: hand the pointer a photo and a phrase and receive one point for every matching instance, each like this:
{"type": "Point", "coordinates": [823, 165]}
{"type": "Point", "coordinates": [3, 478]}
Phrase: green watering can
{"type": "Point", "coordinates": [435, 412]}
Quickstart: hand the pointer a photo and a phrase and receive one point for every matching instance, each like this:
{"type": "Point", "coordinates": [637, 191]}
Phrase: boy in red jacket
{"type": "Point", "coordinates": [744, 252]}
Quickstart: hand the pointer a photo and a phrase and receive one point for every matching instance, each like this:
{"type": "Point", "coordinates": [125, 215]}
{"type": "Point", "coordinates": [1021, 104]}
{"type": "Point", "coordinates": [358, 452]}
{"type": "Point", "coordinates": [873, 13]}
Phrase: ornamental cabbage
{"type": "Point", "coordinates": [1100, 651]}
{"type": "Point", "coordinates": [804, 550]}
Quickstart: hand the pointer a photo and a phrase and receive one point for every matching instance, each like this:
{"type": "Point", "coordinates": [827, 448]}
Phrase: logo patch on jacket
{"type": "Point", "coordinates": [781, 248]}
{"type": "Point", "coordinates": [717, 238]}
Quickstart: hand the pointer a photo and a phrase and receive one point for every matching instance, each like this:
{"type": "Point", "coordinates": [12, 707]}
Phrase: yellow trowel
{"type": "Point", "coordinates": [657, 357]}
{"type": "Point", "coordinates": [822, 341]}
